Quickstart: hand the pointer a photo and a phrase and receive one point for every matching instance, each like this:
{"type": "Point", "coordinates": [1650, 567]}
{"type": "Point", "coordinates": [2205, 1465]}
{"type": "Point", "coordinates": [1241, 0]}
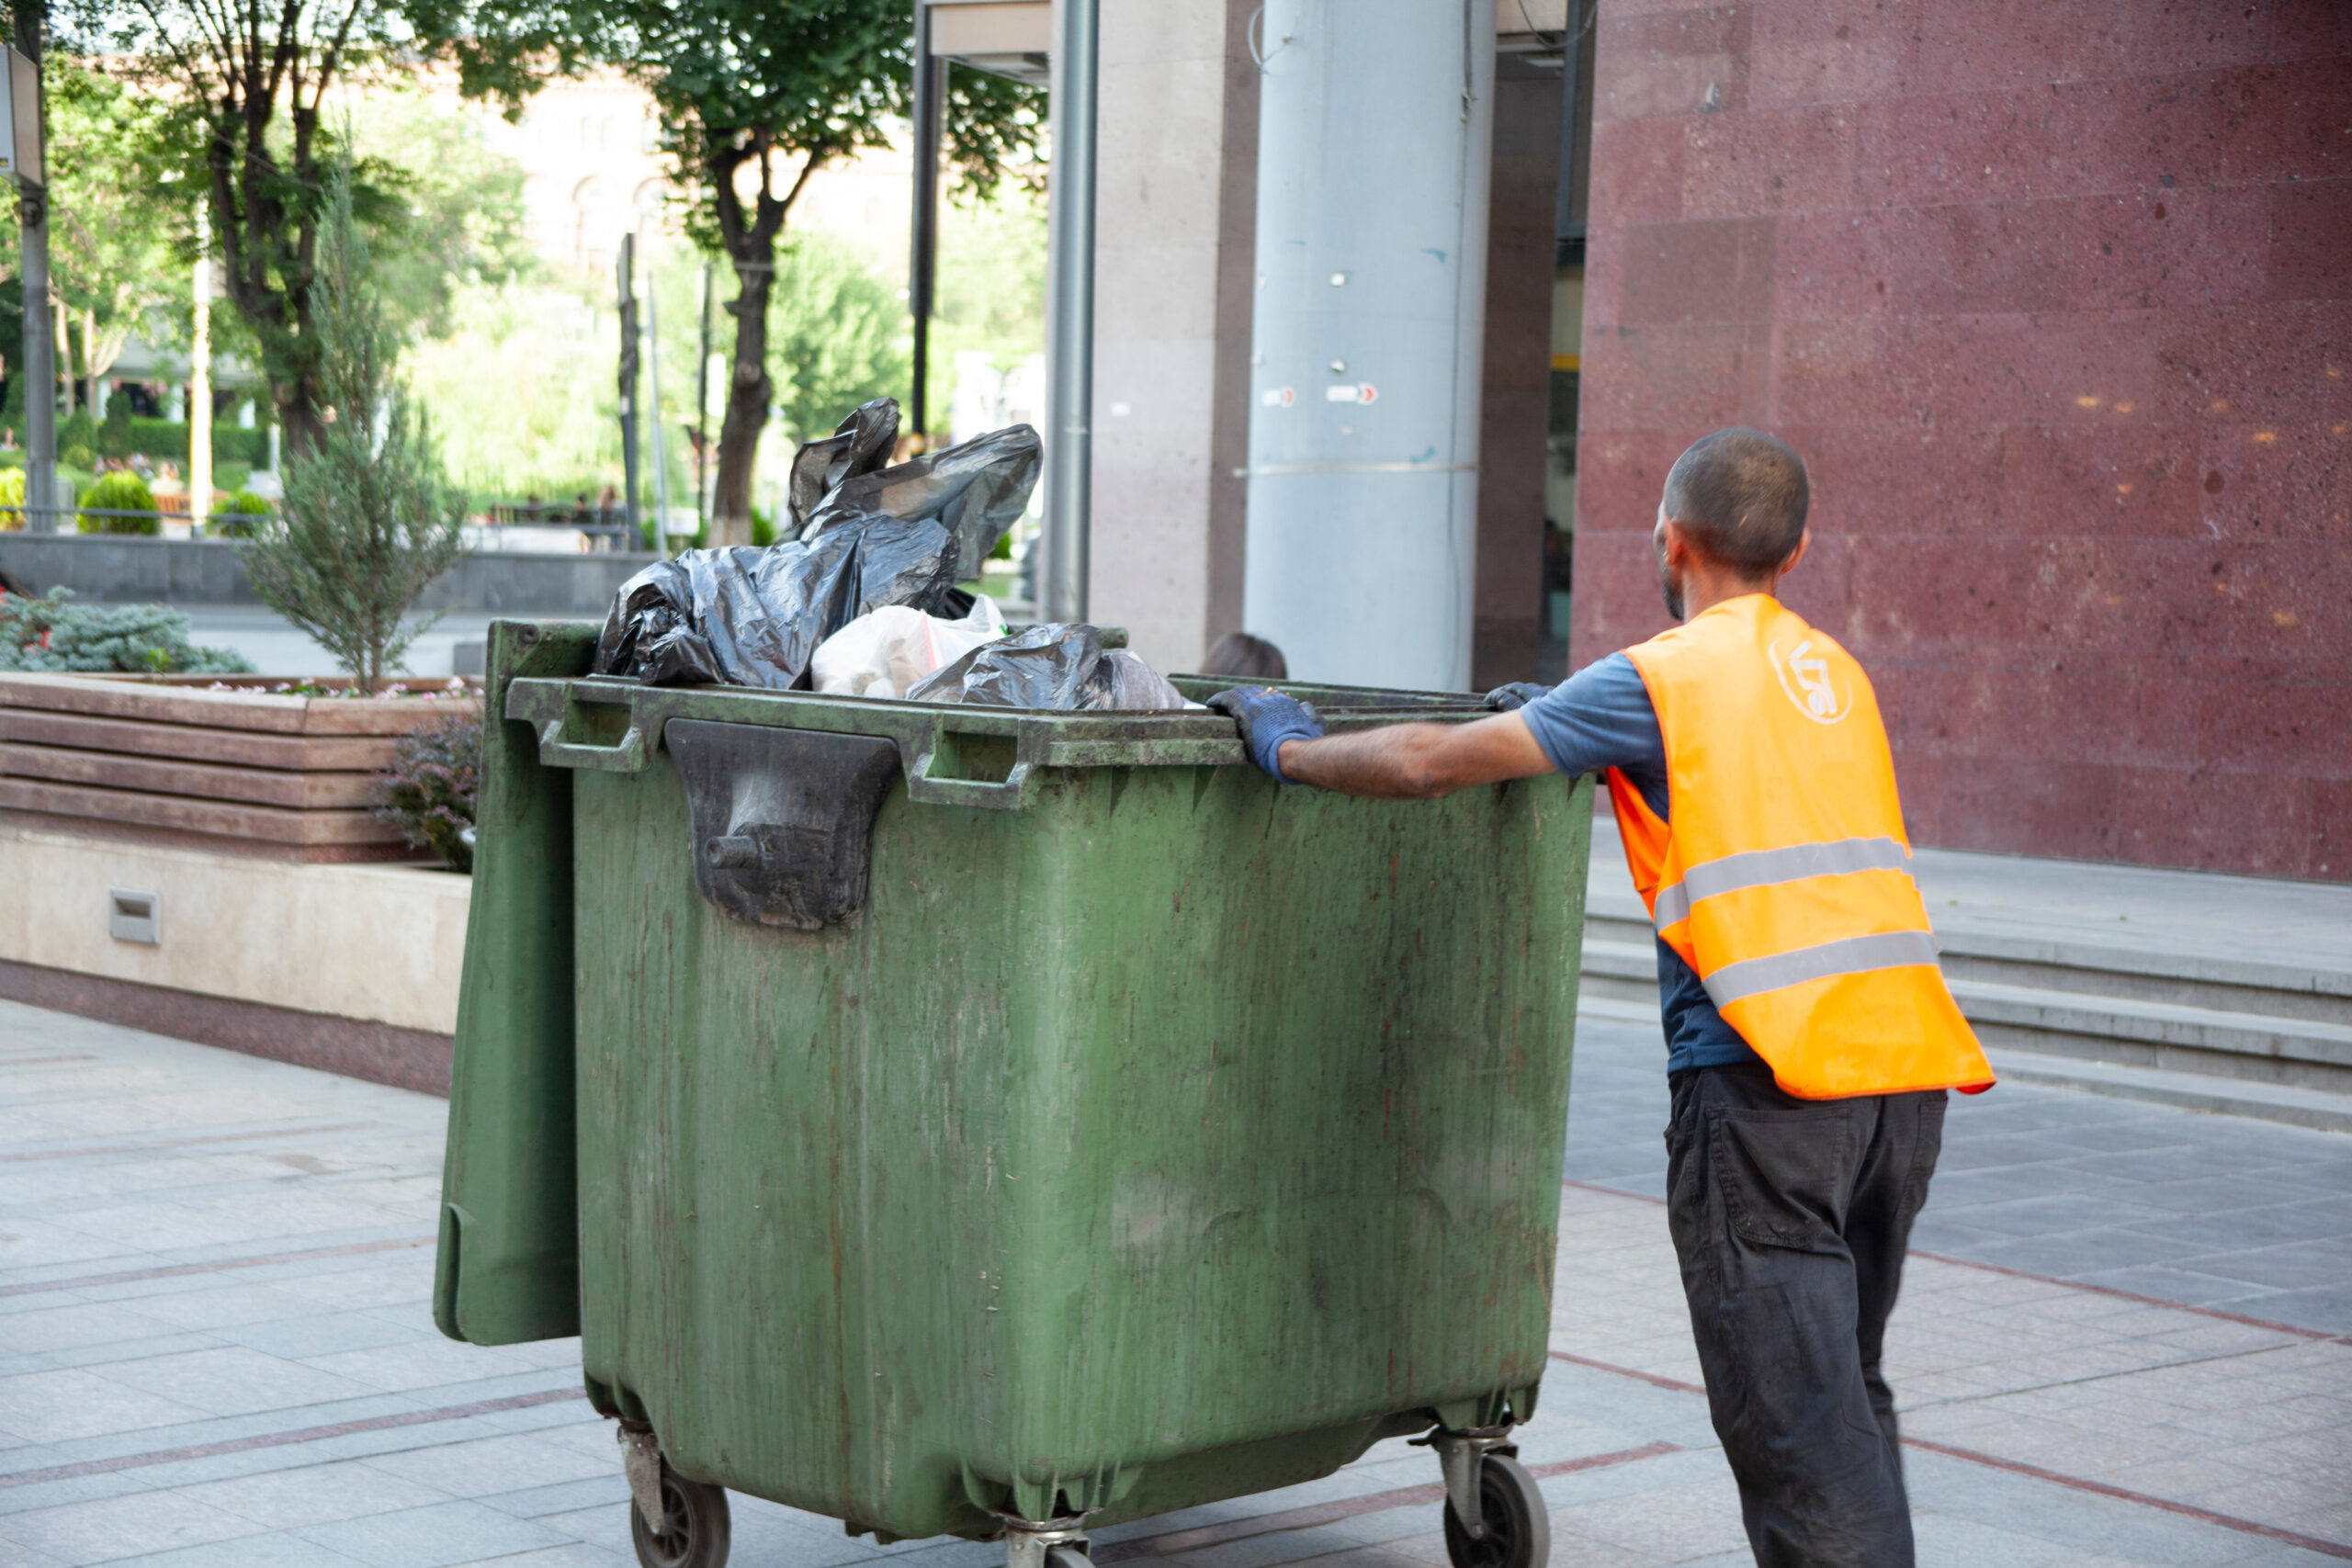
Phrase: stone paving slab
{"type": "Point", "coordinates": [260, 1386]}
{"type": "Point", "coordinates": [2222, 1211]}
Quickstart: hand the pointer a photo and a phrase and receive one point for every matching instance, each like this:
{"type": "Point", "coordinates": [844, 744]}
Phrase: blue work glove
{"type": "Point", "coordinates": [1518, 694]}
{"type": "Point", "coordinates": [1266, 719]}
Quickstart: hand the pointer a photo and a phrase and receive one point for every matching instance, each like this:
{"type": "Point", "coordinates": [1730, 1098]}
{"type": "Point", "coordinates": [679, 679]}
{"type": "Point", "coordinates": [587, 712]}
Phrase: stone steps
{"type": "Point", "coordinates": [2153, 1023]}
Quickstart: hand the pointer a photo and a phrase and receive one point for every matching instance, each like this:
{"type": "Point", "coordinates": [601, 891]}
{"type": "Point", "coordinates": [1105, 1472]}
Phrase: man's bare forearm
{"type": "Point", "coordinates": [1394, 763]}
{"type": "Point", "coordinates": [1417, 761]}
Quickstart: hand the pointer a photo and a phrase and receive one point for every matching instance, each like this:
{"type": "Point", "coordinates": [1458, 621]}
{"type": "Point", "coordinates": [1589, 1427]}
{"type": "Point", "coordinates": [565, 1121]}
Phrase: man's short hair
{"type": "Point", "coordinates": [1741, 494]}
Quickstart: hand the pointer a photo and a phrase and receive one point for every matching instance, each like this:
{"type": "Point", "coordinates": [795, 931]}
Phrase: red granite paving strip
{"type": "Point", "coordinates": [2016, 1467]}
{"type": "Point", "coordinates": [2237, 1317]}
{"type": "Point", "coordinates": [283, 1440]}
{"type": "Point", "coordinates": [174, 1270]}
{"type": "Point", "coordinates": [1344, 1508]}
{"type": "Point", "coordinates": [184, 1143]}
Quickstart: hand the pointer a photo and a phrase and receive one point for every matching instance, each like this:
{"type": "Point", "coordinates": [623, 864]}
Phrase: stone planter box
{"type": "Point", "coordinates": [228, 766]}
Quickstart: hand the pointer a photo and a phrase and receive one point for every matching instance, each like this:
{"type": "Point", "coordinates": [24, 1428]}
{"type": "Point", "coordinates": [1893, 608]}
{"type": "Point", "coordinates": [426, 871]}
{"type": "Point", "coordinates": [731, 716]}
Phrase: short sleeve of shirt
{"type": "Point", "coordinates": [1601, 718]}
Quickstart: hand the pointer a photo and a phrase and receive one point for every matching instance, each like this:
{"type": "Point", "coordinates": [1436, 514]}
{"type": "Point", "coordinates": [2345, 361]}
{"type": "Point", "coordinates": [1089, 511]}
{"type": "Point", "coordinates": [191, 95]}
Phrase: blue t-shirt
{"type": "Point", "coordinates": [1600, 717]}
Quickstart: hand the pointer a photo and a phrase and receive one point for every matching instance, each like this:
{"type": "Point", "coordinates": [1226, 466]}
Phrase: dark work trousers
{"type": "Point", "coordinates": [1790, 1217]}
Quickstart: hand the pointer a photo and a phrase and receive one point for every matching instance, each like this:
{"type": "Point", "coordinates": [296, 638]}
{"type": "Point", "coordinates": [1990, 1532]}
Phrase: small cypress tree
{"type": "Point", "coordinates": [368, 520]}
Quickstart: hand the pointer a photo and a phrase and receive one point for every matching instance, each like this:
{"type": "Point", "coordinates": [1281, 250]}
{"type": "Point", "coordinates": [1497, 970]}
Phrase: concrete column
{"type": "Point", "coordinates": [1371, 296]}
{"type": "Point", "coordinates": [1175, 192]}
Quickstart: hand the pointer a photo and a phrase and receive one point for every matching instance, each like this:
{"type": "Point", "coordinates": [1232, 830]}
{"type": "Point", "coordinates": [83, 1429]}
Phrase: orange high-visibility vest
{"type": "Point", "coordinates": [1785, 879]}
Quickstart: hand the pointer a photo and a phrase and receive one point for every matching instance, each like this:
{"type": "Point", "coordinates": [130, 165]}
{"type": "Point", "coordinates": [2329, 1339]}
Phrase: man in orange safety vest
{"type": "Point", "coordinates": [1810, 1035]}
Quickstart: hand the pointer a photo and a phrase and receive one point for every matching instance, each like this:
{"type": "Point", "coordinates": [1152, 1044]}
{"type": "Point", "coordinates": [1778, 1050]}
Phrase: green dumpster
{"type": "Point", "coordinates": [972, 1121]}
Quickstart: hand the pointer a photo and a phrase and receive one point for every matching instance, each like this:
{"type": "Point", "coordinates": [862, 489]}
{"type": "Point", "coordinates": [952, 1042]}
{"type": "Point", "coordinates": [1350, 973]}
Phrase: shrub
{"type": "Point", "coordinates": [369, 519]}
{"type": "Point", "coordinates": [52, 634]}
{"type": "Point", "coordinates": [429, 789]}
{"type": "Point", "coordinates": [113, 436]}
{"type": "Point", "coordinates": [121, 490]}
{"type": "Point", "coordinates": [236, 516]}
{"type": "Point", "coordinates": [12, 499]}
{"type": "Point", "coordinates": [78, 457]}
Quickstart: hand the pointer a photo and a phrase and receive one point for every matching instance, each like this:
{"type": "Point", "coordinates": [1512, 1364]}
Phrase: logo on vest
{"type": "Point", "coordinates": [1806, 683]}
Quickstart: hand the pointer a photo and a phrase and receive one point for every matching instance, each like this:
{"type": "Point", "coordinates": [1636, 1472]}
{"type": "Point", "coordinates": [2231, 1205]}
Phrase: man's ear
{"type": "Point", "coordinates": [1796, 555]}
{"type": "Point", "coordinates": [1672, 540]}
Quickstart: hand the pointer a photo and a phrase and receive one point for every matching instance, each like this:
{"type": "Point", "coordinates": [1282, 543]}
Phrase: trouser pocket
{"type": "Point", "coordinates": [1784, 1176]}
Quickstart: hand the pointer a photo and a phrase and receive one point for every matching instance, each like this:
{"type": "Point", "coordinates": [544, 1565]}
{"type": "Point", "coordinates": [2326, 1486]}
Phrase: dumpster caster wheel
{"type": "Point", "coordinates": [1518, 1527]}
{"type": "Point", "coordinates": [693, 1526]}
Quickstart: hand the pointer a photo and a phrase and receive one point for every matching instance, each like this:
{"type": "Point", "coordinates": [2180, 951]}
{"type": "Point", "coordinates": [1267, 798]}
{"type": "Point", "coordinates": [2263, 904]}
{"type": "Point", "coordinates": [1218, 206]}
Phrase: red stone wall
{"type": "Point", "coordinates": [2055, 296]}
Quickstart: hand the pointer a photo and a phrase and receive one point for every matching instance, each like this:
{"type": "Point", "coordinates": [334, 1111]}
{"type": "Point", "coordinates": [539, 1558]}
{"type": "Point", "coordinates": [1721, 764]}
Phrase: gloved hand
{"type": "Point", "coordinates": [1518, 694]}
{"type": "Point", "coordinates": [1266, 719]}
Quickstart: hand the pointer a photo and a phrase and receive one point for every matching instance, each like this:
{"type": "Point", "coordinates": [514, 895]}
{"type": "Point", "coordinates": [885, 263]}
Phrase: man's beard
{"type": "Point", "coordinates": [1672, 588]}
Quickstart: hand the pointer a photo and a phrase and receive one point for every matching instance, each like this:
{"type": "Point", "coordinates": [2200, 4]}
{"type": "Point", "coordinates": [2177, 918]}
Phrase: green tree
{"type": "Point", "coordinates": [368, 521]}
{"type": "Point", "coordinates": [109, 256]}
{"type": "Point", "coordinates": [550, 432]}
{"type": "Point", "coordinates": [240, 92]}
{"type": "Point", "coordinates": [456, 215]}
{"type": "Point", "coordinates": [837, 334]}
{"type": "Point", "coordinates": [755, 96]}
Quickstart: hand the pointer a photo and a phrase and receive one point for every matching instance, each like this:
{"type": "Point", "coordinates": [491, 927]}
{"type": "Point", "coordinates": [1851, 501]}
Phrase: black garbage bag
{"type": "Point", "coordinates": [753, 617]}
{"type": "Point", "coordinates": [868, 536]}
{"type": "Point", "coordinates": [976, 489]}
{"type": "Point", "coordinates": [859, 444]}
{"type": "Point", "coordinates": [1060, 665]}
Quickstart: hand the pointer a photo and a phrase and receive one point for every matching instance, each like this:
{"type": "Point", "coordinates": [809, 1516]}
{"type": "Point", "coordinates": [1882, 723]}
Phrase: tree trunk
{"type": "Point", "coordinates": [750, 390]}
{"type": "Point", "coordinates": [297, 421]}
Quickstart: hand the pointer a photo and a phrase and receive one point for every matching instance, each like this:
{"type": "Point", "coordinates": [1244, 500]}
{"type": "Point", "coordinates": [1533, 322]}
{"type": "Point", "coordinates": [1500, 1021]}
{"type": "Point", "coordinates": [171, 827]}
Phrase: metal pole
{"type": "Point", "coordinates": [622, 268]}
{"type": "Point", "coordinates": [41, 349]}
{"type": "Point", "coordinates": [1070, 308]}
{"type": "Point", "coordinates": [702, 412]}
{"type": "Point", "coordinates": [653, 400]}
{"type": "Point", "coordinates": [1565, 227]}
{"type": "Point", "coordinates": [199, 390]}
{"type": "Point", "coordinates": [930, 106]}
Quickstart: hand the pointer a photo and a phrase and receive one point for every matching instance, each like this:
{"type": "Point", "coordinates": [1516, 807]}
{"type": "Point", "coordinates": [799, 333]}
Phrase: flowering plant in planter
{"type": "Point", "coordinates": [339, 686]}
{"type": "Point", "coordinates": [429, 789]}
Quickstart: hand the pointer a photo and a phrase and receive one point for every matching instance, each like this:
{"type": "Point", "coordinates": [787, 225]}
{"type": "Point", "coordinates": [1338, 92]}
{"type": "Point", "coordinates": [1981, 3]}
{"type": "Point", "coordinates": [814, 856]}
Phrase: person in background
{"type": "Point", "coordinates": [1810, 1036]}
{"type": "Point", "coordinates": [1239, 653]}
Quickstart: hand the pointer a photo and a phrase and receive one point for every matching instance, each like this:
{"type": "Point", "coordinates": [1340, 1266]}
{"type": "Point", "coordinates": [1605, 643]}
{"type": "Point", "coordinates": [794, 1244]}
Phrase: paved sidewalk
{"type": "Point", "coordinates": [2222, 1211]}
{"type": "Point", "coordinates": [216, 1352]}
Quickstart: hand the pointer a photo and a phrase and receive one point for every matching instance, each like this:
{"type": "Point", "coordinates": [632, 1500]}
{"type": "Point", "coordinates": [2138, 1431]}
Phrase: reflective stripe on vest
{"type": "Point", "coordinates": [1760, 868]}
{"type": "Point", "coordinates": [1848, 955]}
{"type": "Point", "coordinates": [1784, 878]}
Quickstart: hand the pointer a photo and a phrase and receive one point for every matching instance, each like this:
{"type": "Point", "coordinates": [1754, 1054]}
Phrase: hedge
{"type": "Point", "coordinates": [162, 440]}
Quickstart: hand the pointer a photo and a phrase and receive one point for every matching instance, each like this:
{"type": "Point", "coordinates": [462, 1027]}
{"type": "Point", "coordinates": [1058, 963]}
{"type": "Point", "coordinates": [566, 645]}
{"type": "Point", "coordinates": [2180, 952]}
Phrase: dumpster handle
{"type": "Point", "coordinates": [629, 755]}
{"type": "Point", "coordinates": [1010, 795]}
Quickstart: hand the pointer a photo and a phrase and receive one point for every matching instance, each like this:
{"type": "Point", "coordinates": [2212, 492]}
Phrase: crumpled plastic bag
{"type": "Point", "coordinates": [859, 444]}
{"type": "Point", "coordinates": [1059, 665]}
{"type": "Point", "coordinates": [1129, 684]}
{"type": "Point", "coordinates": [755, 617]}
{"type": "Point", "coordinates": [869, 537]}
{"type": "Point", "coordinates": [976, 487]}
{"type": "Point", "coordinates": [882, 653]}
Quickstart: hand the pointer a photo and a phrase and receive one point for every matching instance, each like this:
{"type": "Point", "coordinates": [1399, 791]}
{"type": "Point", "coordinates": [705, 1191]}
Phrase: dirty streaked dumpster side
{"type": "Point", "coordinates": [1171, 1136]}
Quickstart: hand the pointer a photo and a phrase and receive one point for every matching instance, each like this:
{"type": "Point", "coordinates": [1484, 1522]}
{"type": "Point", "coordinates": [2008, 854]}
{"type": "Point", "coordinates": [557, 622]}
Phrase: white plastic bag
{"type": "Point", "coordinates": [885, 651]}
